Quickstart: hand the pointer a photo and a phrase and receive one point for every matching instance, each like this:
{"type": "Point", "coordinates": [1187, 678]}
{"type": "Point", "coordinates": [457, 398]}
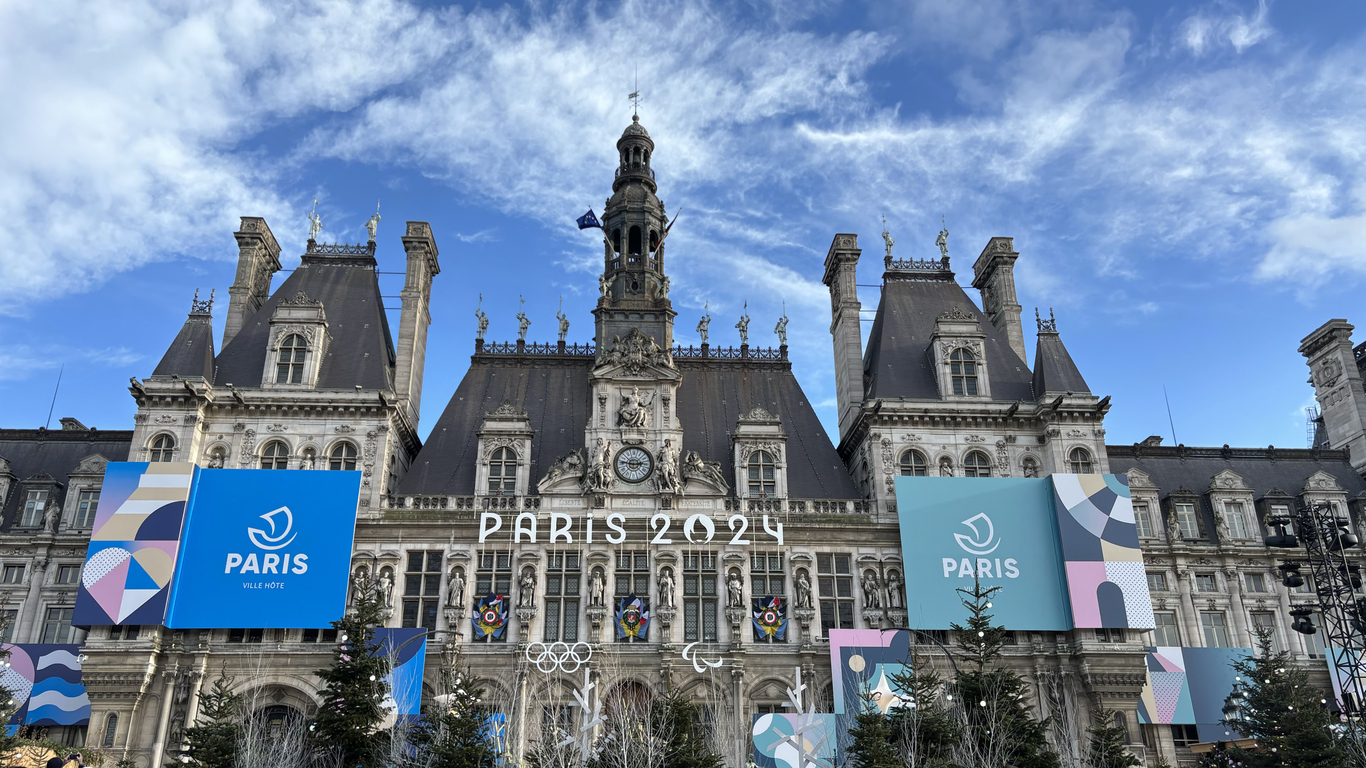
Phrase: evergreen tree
{"type": "Point", "coordinates": [214, 736]}
{"type": "Point", "coordinates": [688, 742]}
{"type": "Point", "coordinates": [347, 723]}
{"type": "Point", "coordinates": [1000, 729]}
{"type": "Point", "coordinates": [1106, 749]}
{"type": "Point", "coordinates": [1283, 712]}
{"type": "Point", "coordinates": [874, 741]}
{"type": "Point", "coordinates": [457, 735]}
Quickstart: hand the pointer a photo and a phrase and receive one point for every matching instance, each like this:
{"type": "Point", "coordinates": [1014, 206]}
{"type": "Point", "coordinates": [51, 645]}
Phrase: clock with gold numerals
{"type": "Point", "coordinates": [634, 464]}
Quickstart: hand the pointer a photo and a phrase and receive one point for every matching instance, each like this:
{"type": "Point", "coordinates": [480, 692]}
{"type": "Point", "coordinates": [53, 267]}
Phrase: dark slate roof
{"type": "Point", "coordinates": [55, 453]}
{"type": "Point", "coordinates": [897, 362]}
{"type": "Point", "coordinates": [1263, 469]}
{"type": "Point", "coordinates": [361, 350]}
{"type": "Point", "coordinates": [1054, 370]}
{"type": "Point", "coordinates": [191, 354]}
{"type": "Point", "coordinates": [556, 399]}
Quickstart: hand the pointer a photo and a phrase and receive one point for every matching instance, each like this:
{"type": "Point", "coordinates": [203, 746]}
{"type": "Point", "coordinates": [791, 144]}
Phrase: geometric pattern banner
{"type": "Point", "coordinates": [1188, 686]}
{"type": "Point", "coordinates": [864, 664]}
{"type": "Point", "coordinates": [770, 618]}
{"type": "Point", "coordinates": [46, 679]}
{"type": "Point", "coordinates": [794, 741]}
{"type": "Point", "coordinates": [134, 543]}
{"type": "Point", "coordinates": [1106, 582]}
{"type": "Point", "coordinates": [406, 652]}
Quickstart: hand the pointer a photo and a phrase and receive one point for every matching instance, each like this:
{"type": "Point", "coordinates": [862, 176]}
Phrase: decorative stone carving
{"type": "Point", "coordinates": [526, 588]}
{"type": "Point", "coordinates": [888, 471]}
{"type": "Point", "coordinates": [666, 475]}
{"type": "Point", "coordinates": [872, 590]}
{"type": "Point", "coordinates": [743, 325]}
{"type": "Point", "coordinates": [781, 330]}
{"type": "Point", "coordinates": [569, 465]}
{"type": "Point", "coordinates": [600, 476]}
{"type": "Point", "coordinates": [774, 449]}
{"type": "Point", "coordinates": [703, 324]}
{"type": "Point", "coordinates": [597, 588]}
{"type": "Point", "coordinates": [956, 313]}
{"type": "Point", "coordinates": [735, 590]}
{"type": "Point", "coordinates": [634, 411]}
{"type": "Point", "coordinates": [492, 444]}
{"type": "Point", "coordinates": [803, 590]}
{"type": "Point", "coordinates": [635, 353]}
{"type": "Point", "coordinates": [666, 585]}
{"type": "Point", "coordinates": [481, 319]}
{"type": "Point", "coordinates": [709, 472]}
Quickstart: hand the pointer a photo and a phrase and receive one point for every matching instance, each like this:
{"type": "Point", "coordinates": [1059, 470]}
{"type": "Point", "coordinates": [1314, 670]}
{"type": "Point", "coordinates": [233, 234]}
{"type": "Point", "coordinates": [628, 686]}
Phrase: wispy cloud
{"type": "Point", "coordinates": [1215, 27]}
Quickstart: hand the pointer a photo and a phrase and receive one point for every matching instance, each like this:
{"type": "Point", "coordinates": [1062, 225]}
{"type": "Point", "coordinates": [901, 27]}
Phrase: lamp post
{"type": "Point", "coordinates": [1326, 537]}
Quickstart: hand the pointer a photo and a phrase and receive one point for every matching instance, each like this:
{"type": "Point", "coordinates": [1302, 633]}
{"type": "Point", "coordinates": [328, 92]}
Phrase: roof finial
{"type": "Point", "coordinates": [201, 307]}
{"type": "Point", "coordinates": [635, 97]}
{"type": "Point", "coordinates": [1046, 326]}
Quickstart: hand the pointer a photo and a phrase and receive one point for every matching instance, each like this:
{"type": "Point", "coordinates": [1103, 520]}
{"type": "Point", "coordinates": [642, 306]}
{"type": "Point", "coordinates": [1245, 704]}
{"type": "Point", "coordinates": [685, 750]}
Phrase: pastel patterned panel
{"type": "Point", "coordinates": [406, 650]}
{"type": "Point", "coordinates": [134, 543]}
{"type": "Point", "coordinates": [864, 664]}
{"type": "Point", "coordinates": [794, 741]}
{"type": "Point", "coordinates": [1106, 582]}
{"type": "Point", "coordinates": [46, 679]}
{"type": "Point", "coordinates": [1188, 686]}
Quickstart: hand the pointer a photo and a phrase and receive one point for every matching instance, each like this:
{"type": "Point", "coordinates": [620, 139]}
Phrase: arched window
{"type": "Point", "coordinates": [1122, 723]}
{"type": "Point", "coordinates": [289, 366]}
{"type": "Point", "coordinates": [1079, 461]}
{"type": "Point", "coordinates": [162, 448]}
{"type": "Point", "coordinates": [976, 464]}
{"type": "Point", "coordinates": [275, 455]}
{"type": "Point", "coordinates": [111, 726]}
{"type": "Point", "coordinates": [343, 456]}
{"type": "Point", "coordinates": [654, 240]}
{"type": "Point", "coordinates": [633, 240]}
{"type": "Point", "coordinates": [963, 371]}
{"type": "Point", "coordinates": [761, 474]}
{"type": "Point", "coordinates": [503, 471]}
{"type": "Point", "coordinates": [913, 464]}
{"type": "Point", "coordinates": [616, 240]}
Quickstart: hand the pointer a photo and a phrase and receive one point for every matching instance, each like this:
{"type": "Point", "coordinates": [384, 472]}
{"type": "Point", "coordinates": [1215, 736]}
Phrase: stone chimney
{"type": "Point", "coordinates": [416, 315]}
{"type": "Point", "coordinates": [1338, 388]}
{"type": "Point", "coordinates": [258, 259]}
{"type": "Point", "coordinates": [841, 266]}
{"type": "Point", "coordinates": [994, 276]}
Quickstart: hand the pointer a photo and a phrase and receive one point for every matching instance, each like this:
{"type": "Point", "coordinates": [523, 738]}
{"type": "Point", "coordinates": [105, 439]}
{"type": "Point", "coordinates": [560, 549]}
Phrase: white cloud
{"type": "Point", "coordinates": [1203, 31]}
{"type": "Point", "coordinates": [120, 141]}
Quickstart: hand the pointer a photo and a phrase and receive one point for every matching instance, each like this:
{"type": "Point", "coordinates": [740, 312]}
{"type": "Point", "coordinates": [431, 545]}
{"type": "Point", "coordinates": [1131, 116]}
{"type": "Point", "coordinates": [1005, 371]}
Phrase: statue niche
{"type": "Point", "coordinates": [634, 411]}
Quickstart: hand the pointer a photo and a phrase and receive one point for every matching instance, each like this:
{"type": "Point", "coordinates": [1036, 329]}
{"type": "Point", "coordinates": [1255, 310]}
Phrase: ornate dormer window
{"type": "Point", "coordinates": [760, 441]}
{"type": "Point", "coordinates": [761, 474]}
{"type": "Point", "coordinates": [275, 455]}
{"type": "Point", "coordinates": [298, 340]}
{"type": "Point", "coordinates": [35, 506]}
{"type": "Point", "coordinates": [976, 464]}
{"type": "Point", "coordinates": [913, 464]}
{"type": "Point", "coordinates": [958, 351]}
{"type": "Point", "coordinates": [1079, 462]}
{"type": "Point", "coordinates": [289, 362]}
{"type": "Point", "coordinates": [162, 448]}
{"type": "Point", "coordinates": [504, 453]}
{"type": "Point", "coordinates": [503, 472]}
{"type": "Point", "coordinates": [963, 371]}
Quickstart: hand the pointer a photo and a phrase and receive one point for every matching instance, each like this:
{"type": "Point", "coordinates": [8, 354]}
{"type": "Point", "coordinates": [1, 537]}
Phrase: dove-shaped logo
{"type": "Point", "coordinates": [978, 544]}
{"type": "Point", "coordinates": [273, 540]}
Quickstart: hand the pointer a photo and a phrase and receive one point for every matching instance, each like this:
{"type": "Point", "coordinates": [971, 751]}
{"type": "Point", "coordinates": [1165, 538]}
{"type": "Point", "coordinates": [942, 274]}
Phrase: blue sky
{"type": "Point", "coordinates": [1184, 182]}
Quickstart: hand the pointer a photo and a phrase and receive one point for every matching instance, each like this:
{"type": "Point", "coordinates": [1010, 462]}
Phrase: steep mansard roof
{"type": "Point", "coordinates": [360, 349]}
{"type": "Point", "coordinates": [56, 453]}
{"type": "Point", "coordinates": [1054, 371]}
{"type": "Point", "coordinates": [897, 361]}
{"type": "Point", "coordinates": [191, 354]}
{"type": "Point", "coordinates": [556, 397]}
{"type": "Point", "coordinates": [1263, 469]}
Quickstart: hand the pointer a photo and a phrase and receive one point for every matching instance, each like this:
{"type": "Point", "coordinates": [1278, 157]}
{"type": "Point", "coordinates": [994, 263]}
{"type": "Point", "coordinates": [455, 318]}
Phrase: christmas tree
{"type": "Point", "coordinates": [920, 731]}
{"type": "Point", "coordinates": [1000, 729]}
{"type": "Point", "coordinates": [1107, 749]}
{"type": "Point", "coordinates": [1274, 703]}
{"type": "Point", "coordinates": [688, 742]}
{"type": "Point", "coordinates": [213, 739]}
{"type": "Point", "coordinates": [874, 742]}
{"type": "Point", "coordinates": [457, 734]}
{"type": "Point", "coordinates": [347, 723]}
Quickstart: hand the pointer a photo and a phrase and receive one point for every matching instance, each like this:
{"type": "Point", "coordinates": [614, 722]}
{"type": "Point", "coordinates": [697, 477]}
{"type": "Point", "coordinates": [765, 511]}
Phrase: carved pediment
{"type": "Point", "coordinates": [506, 411]}
{"type": "Point", "coordinates": [567, 471]}
{"type": "Point", "coordinates": [1140, 479]}
{"type": "Point", "coordinates": [1228, 480]}
{"type": "Point", "coordinates": [703, 477]}
{"type": "Point", "coordinates": [635, 354]}
{"type": "Point", "coordinates": [1321, 481]}
{"type": "Point", "coordinates": [93, 464]}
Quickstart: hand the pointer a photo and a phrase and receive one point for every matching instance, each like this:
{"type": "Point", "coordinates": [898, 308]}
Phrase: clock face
{"type": "Point", "coordinates": [634, 464]}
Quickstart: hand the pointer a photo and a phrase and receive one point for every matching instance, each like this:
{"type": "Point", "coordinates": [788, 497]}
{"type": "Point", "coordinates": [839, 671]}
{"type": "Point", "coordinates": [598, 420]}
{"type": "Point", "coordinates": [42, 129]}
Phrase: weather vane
{"type": "Point", "coordinates": [635, 96]}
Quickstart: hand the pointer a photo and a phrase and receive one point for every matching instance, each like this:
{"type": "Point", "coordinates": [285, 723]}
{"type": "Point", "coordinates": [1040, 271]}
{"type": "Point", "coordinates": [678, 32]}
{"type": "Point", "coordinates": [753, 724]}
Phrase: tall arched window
{"type": "Point", "coordinates": [762, 480]}
{"type": "Point", "coordinates": [976, 464]}
{"type": "Point", "coordinates": [616, 240]}
{"type": "Point", "coordinates": [963, 371]}
{"type": "Point", "coordinates": [343, 456]}
{"type": "Point", "coordinates": [913, 464]}
{"type": "Point", "coordinates": [503, 471]}
{"type": "Point", "coordinates": [633, 240]}
{"type": "Point", "coordinates": [289, 366]}
{"type": "Point", "coordinates": [1079, 461]}
{"type": "Point", "coordinates": [275, 455]}
{"type": "Point", "coordinates": [111, 726]}
{"type": "Point", "coordinates": [162, 448]}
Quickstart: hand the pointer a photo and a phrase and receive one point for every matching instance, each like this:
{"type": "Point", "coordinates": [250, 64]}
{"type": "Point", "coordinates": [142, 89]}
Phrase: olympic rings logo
{"type": "Point", "coordinates": [559, 655]}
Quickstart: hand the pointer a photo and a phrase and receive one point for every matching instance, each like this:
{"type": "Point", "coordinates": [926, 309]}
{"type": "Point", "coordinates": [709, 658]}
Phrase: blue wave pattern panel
{"type": "Point", "coordinates": [46, 678]}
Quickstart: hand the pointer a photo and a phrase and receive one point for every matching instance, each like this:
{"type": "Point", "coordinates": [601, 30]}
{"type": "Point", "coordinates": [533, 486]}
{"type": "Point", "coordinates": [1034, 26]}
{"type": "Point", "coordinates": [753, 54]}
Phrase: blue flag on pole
{"type": "Point", "coordinates": [589, 220]}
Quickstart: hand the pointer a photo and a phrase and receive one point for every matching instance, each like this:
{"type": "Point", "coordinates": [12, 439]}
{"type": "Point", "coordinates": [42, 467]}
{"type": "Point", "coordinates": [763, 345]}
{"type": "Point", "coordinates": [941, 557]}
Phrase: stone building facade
{"type": "Point", "coordinates": [700, 479]}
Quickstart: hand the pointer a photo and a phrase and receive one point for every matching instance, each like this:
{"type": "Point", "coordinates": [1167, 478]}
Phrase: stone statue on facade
{"type": "Point", "coordinates": [803, 590]}
{"type": "Point", "coordinates": [455, 589]}
{"type": "Point", "coordinates": [781, 328]}
{"type": "Point", "coordinates": [664, 288]}
{"type": "Point", "coordinates": [600, 476]}
{"type": "Point", "coordinates": [634, 411]}
{"type": "Point", "coordinates": [743, 325]}
{"type": "Point", "coordinates": [372, 225]}
{"type": "Point", "coordinates": [703, 323]}
{"type": "Point", "coordinates": [945, 467]}
{"type": "Point", "coordinates": [666, 587]}
{"type": "Point", "coordinates": [386, 588]}
{"type": "Point", "coordinates": [481, 318]}
{"type": "Point", "coordinates": [735, 590]}
{"type": "Point", "coordinates": [564, 320]}
{"type": "Point", "coordinates": [597, 588]}
{"type": "Point", "coordinates": [216, 460]}
{"type": "Point", "coordinates": [570, 464]}
{"type": "Point", "coordinates": [872, 590]}
{"type": "Point", "coordinates": [943, 240]}
{"type": "Point", "coordinates": [602, 285]}
{"type": "Point", "coordinates": [706, 471]}
{"type": "Point", "coordinates": [360, 585]}
{"type": "Point", "coordinates": [526, 589]}
{"type": "Point", "coordinates": [523, 322]}
{"type": "Point", "coordinates": [887, 239]}
{"type": "Point", "coordinates": [315, 222]}
{"type": "Point", "coordinates": [666, 478]}
{"type": "Point", "coordinates": [895, 599]}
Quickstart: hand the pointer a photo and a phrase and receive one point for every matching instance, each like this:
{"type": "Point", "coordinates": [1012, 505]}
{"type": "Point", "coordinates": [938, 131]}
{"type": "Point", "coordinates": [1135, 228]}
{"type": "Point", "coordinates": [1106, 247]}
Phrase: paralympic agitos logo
{"type": "Point", "coordinates": [280, 536]}
{"type": "Point", "coordinates": [982, 541]}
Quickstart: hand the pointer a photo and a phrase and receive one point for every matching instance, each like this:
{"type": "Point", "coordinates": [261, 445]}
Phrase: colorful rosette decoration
{"type": "Point", "coordinates": [633, 618]}
{"type": "Point", "coordinates": [490, 617]}
{"type": "Point", "coordinates": [770, 618]}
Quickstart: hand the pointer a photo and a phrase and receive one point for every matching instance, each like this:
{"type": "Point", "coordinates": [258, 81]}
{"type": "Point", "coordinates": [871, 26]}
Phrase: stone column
{"type": "Point", "coordinates": [1240, 618]}
{"type": "Point", "coordinates": [1184, 577]}
{"type": "Point", "coordinates": [164, 721]}
{"type": "Point", "coordinates": [28, 616]}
